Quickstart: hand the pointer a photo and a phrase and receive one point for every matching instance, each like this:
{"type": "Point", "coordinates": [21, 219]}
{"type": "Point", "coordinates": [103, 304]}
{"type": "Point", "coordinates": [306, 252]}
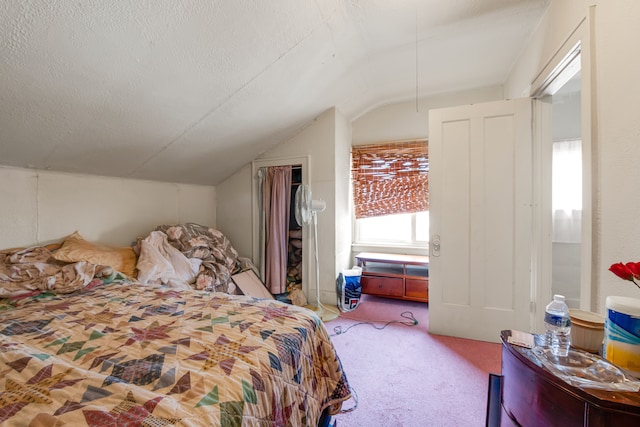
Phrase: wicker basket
{"type": "Point", "coordinates": [587, 330]}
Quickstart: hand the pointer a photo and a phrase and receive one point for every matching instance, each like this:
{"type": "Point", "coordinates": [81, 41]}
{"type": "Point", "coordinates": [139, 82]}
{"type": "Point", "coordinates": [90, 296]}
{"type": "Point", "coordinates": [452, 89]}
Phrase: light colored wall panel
{"type": "Point", "coordinates": [197, 203]}
{"type": "Point", "coordinates": [113, 211]}
{"type": "Point", "coordinates": [399, 120]}
{"type": "Point", "coordinates": [18, 209]}
{"type": "Point", "coordinates": [108, 210]}
{"type": "Point", "coordinates": [233, 212]}
{"type": "Point", "coordinates": [342, 191]}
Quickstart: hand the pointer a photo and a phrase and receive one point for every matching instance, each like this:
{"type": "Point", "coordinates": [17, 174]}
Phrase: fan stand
{"type": "Point", "coordinates": [325, 314]}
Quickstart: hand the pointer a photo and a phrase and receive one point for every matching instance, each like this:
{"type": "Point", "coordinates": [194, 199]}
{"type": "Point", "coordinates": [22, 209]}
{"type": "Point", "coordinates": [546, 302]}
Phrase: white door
{"type": "Point", "coordinates": [480, 197]}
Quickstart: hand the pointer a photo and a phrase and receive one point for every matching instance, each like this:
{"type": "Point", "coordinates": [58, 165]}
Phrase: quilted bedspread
{"type": "Point", "coordinates": [121, 353]}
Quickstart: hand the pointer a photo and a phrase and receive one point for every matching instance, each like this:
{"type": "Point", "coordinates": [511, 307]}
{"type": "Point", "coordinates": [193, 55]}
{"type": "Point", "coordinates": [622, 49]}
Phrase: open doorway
{"type": "Point", "coordinates": [565, 166]}
{"type": "Point", "coordinates": [566, 191]}
{"type": "Point", "coordinates": [564, 262]}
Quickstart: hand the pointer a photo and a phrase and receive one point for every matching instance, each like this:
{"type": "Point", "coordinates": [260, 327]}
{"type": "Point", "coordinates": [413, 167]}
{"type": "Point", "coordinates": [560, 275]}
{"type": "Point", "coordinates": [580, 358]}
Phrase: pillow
{"type": "Point", "coordinates": [76, 249]}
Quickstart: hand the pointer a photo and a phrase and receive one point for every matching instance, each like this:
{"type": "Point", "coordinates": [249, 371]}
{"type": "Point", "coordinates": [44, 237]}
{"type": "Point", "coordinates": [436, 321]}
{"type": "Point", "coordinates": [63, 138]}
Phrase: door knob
{"type": "Point", "coordinates": [435, 245]}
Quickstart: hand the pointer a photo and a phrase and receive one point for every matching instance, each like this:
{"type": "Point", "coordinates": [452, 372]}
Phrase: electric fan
{"type": "Point", "coordinates": [306, 212]}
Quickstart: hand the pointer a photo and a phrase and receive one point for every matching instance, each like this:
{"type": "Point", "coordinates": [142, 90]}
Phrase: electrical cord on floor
{"type": "Point", "coordinates": [411, 321]}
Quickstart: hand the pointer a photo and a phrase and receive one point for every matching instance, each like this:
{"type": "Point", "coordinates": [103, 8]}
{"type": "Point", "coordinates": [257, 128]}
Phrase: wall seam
{"type": "Point", "coordinates": [179, 197]}
{"type": "Point", "coordinates": [37, 219]}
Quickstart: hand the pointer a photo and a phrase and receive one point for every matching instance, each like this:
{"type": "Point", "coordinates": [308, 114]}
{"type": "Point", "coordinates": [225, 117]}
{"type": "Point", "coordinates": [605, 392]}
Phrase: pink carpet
{"type": "Point", "coordinates": [404, 376]}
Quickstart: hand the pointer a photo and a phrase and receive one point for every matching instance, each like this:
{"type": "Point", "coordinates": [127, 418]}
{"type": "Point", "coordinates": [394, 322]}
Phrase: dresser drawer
{"type": "Point", "coordinates": [415, 288]}
{"type": "Point", "coordinates": [375, 285]}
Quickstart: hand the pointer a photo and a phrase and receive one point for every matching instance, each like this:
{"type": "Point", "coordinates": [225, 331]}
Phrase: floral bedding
{"type": "Point", "coordinates": [117, 352]}
{"type": "Point", "coordinates": [33, 270]}
{"type": "Point", "coordinates": [216, 258]}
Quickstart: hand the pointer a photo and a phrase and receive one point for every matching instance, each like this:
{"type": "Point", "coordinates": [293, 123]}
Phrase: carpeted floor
{"type": "Point", "coordinates": [405, 377]}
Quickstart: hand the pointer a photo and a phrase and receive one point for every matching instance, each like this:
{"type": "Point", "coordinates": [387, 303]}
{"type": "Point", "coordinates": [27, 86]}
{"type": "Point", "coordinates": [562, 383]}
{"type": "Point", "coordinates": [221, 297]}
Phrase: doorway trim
{"type": "Point", "coordinates": [574, 54]}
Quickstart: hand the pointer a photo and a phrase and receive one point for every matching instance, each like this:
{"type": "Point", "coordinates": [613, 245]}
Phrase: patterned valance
{"type": "Point", "coordinates": [390, 178]}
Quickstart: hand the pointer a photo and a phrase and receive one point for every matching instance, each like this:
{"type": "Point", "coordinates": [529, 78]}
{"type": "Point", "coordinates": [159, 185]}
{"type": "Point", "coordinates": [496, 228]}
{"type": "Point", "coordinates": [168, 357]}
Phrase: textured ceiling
{"type": "Point", "coordinates": [190, 91]}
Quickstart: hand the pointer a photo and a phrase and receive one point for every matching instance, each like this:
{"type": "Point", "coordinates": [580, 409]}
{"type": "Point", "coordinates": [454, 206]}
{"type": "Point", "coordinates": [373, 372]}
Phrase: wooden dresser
{"type": "Point", "coordinates": [533, 396]}
{"type": "Point", "coordinates": [395, 276]}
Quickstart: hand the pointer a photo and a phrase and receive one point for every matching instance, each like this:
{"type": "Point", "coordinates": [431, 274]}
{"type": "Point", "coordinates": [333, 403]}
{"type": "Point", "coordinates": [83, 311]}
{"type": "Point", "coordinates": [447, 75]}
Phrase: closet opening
{"type": "Point", "coordinates": [295, 243]}
{"type": "Point", "coordinates": [280, 252]}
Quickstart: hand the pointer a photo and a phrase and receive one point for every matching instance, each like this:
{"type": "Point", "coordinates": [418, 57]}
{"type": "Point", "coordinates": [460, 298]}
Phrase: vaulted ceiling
{"type": "Point", "coordinates": [191, 90]}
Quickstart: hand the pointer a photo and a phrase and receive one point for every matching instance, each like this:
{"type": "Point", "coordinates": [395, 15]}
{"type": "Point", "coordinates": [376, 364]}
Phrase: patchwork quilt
{"type": "Point", "coordinates": [120, 353]}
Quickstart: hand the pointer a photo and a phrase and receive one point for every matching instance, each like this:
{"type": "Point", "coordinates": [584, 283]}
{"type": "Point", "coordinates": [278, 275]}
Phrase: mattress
{"type": "Point", "coordinates": [116, 352]}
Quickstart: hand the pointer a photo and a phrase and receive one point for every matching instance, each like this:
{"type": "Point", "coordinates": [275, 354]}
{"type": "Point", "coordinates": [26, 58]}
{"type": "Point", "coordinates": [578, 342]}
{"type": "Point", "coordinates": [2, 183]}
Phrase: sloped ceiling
{"type": "Point", "coordinates": [190, 91]}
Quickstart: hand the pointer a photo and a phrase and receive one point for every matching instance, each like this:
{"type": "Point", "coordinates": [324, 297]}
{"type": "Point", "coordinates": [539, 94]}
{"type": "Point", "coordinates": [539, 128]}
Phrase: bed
{"type": "Point", "coordinates": [84, 344]}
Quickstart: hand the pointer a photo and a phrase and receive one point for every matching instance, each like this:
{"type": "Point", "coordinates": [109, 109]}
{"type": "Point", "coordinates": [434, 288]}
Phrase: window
{"type": "Point", "coordinates": [391, 195]}
{"type": "Point", "coordinates": [567, 175]}
{"type": "Point", "coordinates": [399, 229]}
{"type": "Point", "coordinates": [566, 191]}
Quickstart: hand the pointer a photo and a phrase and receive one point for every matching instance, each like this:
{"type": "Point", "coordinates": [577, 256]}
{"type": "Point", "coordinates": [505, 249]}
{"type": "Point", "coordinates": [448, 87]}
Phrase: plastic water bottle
{"type": "Point", "coordinates": [558, 324]}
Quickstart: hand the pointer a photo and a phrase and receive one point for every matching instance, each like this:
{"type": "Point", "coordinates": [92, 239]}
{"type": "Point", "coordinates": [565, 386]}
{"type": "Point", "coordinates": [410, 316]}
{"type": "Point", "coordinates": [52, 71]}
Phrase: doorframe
{"type": "Point", "coordinates": [305, 163]}
{"type": "Point", "coordinates": [575, 51]}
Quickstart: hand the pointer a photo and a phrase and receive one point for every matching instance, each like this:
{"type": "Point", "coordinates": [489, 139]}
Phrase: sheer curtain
{"type": "Point", "coordinates": [567, 191]}
{"type": "Point", "coordinates": [275, 185]}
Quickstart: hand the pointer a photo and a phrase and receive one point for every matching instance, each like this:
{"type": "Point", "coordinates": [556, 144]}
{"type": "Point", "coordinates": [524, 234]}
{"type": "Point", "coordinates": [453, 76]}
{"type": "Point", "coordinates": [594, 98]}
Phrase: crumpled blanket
{"type": "Point", "coordinates": [219, 260]}
{"type": "Point", "coordinates": [161, 263]}
{"type": "Point", "coordinates": [26, 270]}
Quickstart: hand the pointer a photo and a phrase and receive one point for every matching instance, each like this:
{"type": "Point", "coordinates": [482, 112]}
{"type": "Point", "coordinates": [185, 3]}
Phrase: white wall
{"type": "Point", "coordinates": [614, 94]}
{"type": "Point", "coordinates": [399, 121]}
{"type": "Point", "coordinates": [234, 214]}
{"type": "Point", "coordinates": [319, 140]}
{"type": "Point", "coordinates": [560, 21]}
{"type": "Point", "coordinates": [43, 207]}
{"type": "Point", "coordinates": [343, 194]}
{"type": "Point", "coordinates": [618, 142]}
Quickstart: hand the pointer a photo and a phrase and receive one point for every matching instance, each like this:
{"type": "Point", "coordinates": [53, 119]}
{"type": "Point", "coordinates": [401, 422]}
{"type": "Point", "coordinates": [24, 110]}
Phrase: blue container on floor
{"type": "Point", "coordinates": [349, 289]}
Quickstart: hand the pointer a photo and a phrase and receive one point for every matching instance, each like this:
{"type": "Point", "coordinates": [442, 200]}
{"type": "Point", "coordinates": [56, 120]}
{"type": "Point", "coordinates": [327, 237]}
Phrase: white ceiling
{"type": "Point", "coordinates": [190, 91]}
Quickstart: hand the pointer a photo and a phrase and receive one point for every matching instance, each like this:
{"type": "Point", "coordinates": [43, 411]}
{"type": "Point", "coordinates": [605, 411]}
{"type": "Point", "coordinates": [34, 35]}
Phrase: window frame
{"type": "Point", "coordinates": [358, 241]}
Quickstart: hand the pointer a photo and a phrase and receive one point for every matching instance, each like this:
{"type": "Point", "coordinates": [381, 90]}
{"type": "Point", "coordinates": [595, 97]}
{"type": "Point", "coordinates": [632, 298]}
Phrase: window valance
{"type": "Point", "coordinates": [390, 178]}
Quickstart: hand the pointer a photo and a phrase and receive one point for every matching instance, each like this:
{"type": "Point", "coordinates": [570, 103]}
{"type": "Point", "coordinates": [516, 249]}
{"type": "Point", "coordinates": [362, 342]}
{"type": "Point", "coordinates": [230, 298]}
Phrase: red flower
{"type": "Point", "coordinates": [622, 271]}
{"type": "Point", "coordinates": [628, 271]}
{"type": "Point", "coordinates": [634, 269]}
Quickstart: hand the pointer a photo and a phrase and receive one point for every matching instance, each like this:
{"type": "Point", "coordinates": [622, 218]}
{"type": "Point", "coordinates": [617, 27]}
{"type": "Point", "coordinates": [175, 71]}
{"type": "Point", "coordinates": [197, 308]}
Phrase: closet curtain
{"type": "Point", "coordinates": [275, 185]}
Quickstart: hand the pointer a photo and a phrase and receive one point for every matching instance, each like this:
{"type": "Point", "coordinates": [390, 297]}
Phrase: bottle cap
{"type": "Point", "coordinates": [558, 297]}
